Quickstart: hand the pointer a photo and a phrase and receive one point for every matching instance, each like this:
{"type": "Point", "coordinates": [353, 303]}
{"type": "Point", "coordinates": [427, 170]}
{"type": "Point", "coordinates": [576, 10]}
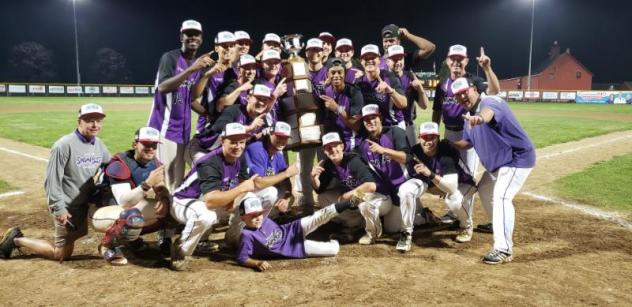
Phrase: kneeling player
{"type": "Point", "coordinates": [262, 238]}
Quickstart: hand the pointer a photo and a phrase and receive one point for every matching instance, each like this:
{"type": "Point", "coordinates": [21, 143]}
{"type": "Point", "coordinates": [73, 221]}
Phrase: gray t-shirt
{"type": "Point", "coordinates": [72, 164]}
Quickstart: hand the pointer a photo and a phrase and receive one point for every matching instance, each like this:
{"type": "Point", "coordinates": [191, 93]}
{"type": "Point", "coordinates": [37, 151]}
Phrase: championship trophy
{"type": "Point", "coordinates": [299, 108]}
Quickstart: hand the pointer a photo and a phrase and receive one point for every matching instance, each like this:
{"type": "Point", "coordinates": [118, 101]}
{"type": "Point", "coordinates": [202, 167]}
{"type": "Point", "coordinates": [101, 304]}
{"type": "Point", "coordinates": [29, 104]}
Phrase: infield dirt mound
{"type": "Point", "coordinates": [562, 257]}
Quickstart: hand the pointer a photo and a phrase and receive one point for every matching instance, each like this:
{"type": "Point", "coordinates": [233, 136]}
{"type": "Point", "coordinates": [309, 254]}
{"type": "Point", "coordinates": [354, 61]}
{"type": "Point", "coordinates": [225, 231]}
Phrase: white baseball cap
{"type": "Point", "coordinates": [261, 90]}
{"type": "Point", "coordinates": [282, 129]}
{"type": "Point", "coordinates": [314, 43]}
{"type": "Point", "coordinates": [429, 128]}
{"type": "Point", "coordinates": [147, 134]}
{"type": "Point", "coordinates": [327, 37]}
{"type": "Point", "coordinates": [395, 50]}
{"type": "Point", "coordinates": [235, 129]}
{"type": "Point", "coordinates": [246, 59]}
{"type": "Point", "coordinates": [370, 109]}
{"type": "Point", "coordinates": [331, 137]}
{"type": "Point", "coordinates": [270, 54]}
{"type": "Point", "coordinates": [224, 37]}
{"type": "Point", "coordinates": [460, 85]}
{"type": "Point", "coordinates": [242, 36]}
{"type": "Point", "coordinates": [458, 50]}
{"type": "Point", "coordinates": [250, 204]}
{"type": "Point", "coordinates": [370, 49]}
{"type": "Point", "coordinates": [191, 25]}
{"type": "Point", "coordinates": [344, 42]}
{"type": "Point", "coordinates": [90, 108]}
{"type": "Point", "coordinates": [271, 37]}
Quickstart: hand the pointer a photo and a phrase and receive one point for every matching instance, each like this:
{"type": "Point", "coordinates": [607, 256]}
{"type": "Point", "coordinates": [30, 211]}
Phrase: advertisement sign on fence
{"type": "Point", "coordinates": [56, 89]}
{"type": "Point", "coordinates": [531, 95]}
{"type": "Point", "coordinates": [37, 89]}
{"type": "Point", "coordinates": [73, 89]}
{"type": "Point", "coordinates": [17, 88]}
{"type": "Point", "coordinates": [570, 96]}
{"type": "Point", "coordinates": [141, 90]}
{"type": "Point", "coordinates": [550, 95]}
{"type": "Point", "coordinates": [3, 88]}
{"type": "Point", "coordinates": [502, 94]}
{"type": "Point", "coordinates": [110, 90]}
{"type": "Point", "coordinates": [92, 89]}
{"type": "Point", "coordinates": [515, 95]}
{"type": "Point", "coordinates": [126, 90]}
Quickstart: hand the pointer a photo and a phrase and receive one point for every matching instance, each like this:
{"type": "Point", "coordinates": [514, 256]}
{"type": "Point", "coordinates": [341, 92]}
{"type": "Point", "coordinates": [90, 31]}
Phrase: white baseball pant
{"type": "Point", "coordinates": [350, 219]}
{"type": "Point", "coordinates": [311, 223]}
{"type": "Point", "coordinates": [497, 191]}
{"type": "Point", "coordinates": [171, 155]}
{"type": "Point", "coordinates": [196, 217]}
{"type": "Point", "coordinates": [375, 206]}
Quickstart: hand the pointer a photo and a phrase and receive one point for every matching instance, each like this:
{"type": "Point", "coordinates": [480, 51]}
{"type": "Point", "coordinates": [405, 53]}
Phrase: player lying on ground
{"type": "Point", "coordinates": [262, 238]}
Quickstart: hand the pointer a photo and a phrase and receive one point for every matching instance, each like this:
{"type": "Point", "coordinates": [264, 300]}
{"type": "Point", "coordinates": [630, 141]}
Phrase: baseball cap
{"type": "Point", "coordinates": [271, 37]}
{"type": "Point", "coordinates": [224, 37]}
{"type": "Point", "coordinates": [250, 204]}
{"type": "Point", "coordinates": [270, 54]}
{"type": "Point", "coordinates": [370, 109]}
{"type": "Point", "coordinates": [242, 36]}
{"type": "Point", "coordinates": [369, 49]}
{"type": "Point", "coordinates": [261, 90]}
{"type": "Point", "coordinates": [395, 50]}
{"type": "Point", "coordinates": [344, 42]}
{"type": "Point", "coordinates": [246, 59]}
{"type": "Point", "coordinates": [458, 50]}
{"type": "Point", "coordinates": [327, 37]}
{"type": "Point", "coordinates": [191, 25]}
{"type": "Point", "coordinates": [90, 108]}
{"type": "Point", "coordinates": [390, 31]}
{"type": "Point", "coordinates": [331, 62]}
{"type": "Point", "coordinates": [460, 85]}
{"type": "Point", "coordinates": [282, 129]}
{"type": "Point", "coordinates": [235, 129]}
{"type": "Point", "coordinates": [314, 43]}
{"type": "Point", "coordinates": [147, 134]}
{"type": "Point", "coordinates": [429, 128]}
{"type": "Point", "coordinates": [331, 137]}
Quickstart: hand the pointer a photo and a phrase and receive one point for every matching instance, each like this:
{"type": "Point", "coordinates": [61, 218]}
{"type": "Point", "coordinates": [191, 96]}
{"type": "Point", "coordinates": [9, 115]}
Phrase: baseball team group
{"type": "Point", "coordinates": [368, 174]}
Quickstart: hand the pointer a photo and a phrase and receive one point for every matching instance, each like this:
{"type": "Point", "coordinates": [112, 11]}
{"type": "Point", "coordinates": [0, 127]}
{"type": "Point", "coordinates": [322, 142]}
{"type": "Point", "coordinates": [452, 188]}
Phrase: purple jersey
{"type": "Point", "coordinates": [390, 114]}
{"type": "Point", "coordinates": [502, 142]}
{"type": "Point", "coordinates": [171, 112]}
{"type": "Point", "coordinates": [214, 88]}
{"type": "Point", "coordinates": [390, 171]}
{"type": "Point", "coordinates": [260, 162]}
{"type": "Point", "coordinates": [272, 241]}
{"type": "Point", "coordinates": [236, 113]}
{"type": "Point", "coordinates": [212, 172]}
{"type": "Point", "coordinates": [410, 112]}
{"type": "Point", "coordinates": [451, 111]}
{"type": "Point", "coordinates": [350, 75]}
{"type": "Point", "coordinates": [351, 100]}
{"type": "Point", "coordinates": [318, 80]}
{"type": "Point", "coordinates": [446, 160]}
{"type": "Point", "coordinates": [351, 172]}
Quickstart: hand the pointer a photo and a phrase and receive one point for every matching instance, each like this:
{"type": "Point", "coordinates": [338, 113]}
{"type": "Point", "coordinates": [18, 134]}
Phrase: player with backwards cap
{"type": "Point", "coordinates": [392, 35]}
{"type": "Point", "coordinates": [507, 154]}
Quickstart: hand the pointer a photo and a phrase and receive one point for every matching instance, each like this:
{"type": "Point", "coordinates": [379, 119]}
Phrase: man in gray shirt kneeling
{"type": "Point", "coordinates": [74, 160]}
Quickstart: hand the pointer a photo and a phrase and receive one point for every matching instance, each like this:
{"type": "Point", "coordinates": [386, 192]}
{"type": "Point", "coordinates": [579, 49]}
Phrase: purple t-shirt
{"type": "Point", "coordinates": [212, 172]}
{"type": "Point", "coordinates": [444, 101]}
{"type": "Point", "coordinates": [501, 142]}
{"type": "Point", "coordinates": [390, 171]}
{"type": "Point", "coordinates": [171, 112]}
{"type": "Point", "coordinates": [260, 162]}
{"type": "Point", "coordinates": [318, 80]}
{"type": "Point", "coordinates": [351, 100]}
{"type": "Point", "coordinates": [390, 114]}
{"type": "Point", "coordinates": [272, 241]}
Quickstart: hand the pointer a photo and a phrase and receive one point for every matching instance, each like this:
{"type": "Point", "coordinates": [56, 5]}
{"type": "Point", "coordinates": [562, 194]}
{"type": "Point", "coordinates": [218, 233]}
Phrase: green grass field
{"type": "Point", "coordinates": [605, 184]}
{"type": "Point", "coordinates": [5, 187]}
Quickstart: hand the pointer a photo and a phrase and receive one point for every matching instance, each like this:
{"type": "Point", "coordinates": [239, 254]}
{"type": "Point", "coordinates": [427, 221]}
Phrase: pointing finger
{"type": "Point", "coordinates": [482, 52]}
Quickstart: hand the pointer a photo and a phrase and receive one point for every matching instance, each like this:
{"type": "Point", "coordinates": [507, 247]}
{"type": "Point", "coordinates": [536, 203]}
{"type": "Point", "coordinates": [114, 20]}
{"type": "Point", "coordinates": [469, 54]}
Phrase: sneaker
{"type": "Point", "coordinates": [165, 247]}
{"type": "Point", "coordinates": [496, 257]}
{"type": "Point", "coordinates": [448, 218]}
{"type": "Point", "coordinates": [405, 242]}
{"type": "Point", "coordinates": [7, 245]}
{"type": "Point", "coordinates": [465, 234]}
{"type": "Point", "coordinates": [178, 260]}
{"type": "Point", "coordinates": [112, 256]}
{"type": "Point", "coordinates": [205, 248]}
{"type": "Point", "coordinates": [486, 228]}
{"type": "Point", "coordinates": [366, 240]}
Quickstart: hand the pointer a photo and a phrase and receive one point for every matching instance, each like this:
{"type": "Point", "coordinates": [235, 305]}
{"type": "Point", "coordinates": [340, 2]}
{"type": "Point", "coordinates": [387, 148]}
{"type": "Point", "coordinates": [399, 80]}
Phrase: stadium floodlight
{"type": "Point", "coordinates": [74, 14]}
{"type": "Point", "coordinates": [531, 44]}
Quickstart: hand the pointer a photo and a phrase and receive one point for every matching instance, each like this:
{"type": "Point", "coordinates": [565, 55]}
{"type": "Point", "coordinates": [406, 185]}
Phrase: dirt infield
{"type": "Point", "coordinates": [562, 257]}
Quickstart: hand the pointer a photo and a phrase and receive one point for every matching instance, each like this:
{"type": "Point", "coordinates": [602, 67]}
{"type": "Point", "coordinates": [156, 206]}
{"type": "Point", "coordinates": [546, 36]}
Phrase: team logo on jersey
{"type": "Point", "coordinates": [269, 171]}
{"type": "Point", "coordinates": [350, 182]}
{"type": "Point", "coordinates": [274, 238]}
{"type": "Point", "coordinates": [229, 183]}
{"type": "Point", "coordinates": [89, 160]}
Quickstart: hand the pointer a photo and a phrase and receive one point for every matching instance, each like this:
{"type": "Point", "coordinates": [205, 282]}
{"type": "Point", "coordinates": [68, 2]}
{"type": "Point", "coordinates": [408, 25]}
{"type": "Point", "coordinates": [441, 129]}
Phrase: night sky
{"type": "Point", "coordinates": [597, 32]}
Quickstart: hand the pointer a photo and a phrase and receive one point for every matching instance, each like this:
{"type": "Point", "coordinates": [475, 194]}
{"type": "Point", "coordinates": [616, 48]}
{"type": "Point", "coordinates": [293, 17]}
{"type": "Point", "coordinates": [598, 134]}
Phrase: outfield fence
{"type": "Point", "coordinates": [130, 90]}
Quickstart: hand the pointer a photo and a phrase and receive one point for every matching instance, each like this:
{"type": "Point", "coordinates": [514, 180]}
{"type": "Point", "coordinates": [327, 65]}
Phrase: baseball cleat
{"type": "Point", "coordinates": [496, 257]}
{"type": "Point", "coordinates": [178, 260]}
{"type": "Point", "coordinates": [486, 228]}
{"type": "Point", "coordinates": [448, 218]}
{"type": "Point", "coordinates": [7, 245]}
{"type": "Point", "coordinates": [112, 256]}
{"type": "Point", "coordinates": [405, 242]}
{"type": "Point", "coordinates": [205, 248]}
{"type": "Point", "coordinates": [464, 235]}
{"type": "Point", "coordinates": [366, 240]}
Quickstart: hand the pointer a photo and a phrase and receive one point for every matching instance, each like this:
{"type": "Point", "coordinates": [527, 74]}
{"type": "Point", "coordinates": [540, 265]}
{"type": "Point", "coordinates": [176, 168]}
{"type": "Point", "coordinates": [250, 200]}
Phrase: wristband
{"type": "Point", "coordinates": [432, 175]}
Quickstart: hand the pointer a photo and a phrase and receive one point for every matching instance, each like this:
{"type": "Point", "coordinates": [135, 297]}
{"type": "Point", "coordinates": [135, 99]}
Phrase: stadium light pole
{"type": "Point", "coordinates": [531, 44]}
{"type": "Point", "coordinates": [74, 14]}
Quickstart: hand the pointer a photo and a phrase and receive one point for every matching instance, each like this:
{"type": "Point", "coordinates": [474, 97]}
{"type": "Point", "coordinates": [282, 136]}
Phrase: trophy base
{"type": "Point", "coordinates": [305, 137]}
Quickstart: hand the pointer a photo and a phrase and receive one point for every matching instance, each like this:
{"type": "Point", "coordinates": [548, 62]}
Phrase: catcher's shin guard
{"type": "Point", "coordinates": [126, 228]}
